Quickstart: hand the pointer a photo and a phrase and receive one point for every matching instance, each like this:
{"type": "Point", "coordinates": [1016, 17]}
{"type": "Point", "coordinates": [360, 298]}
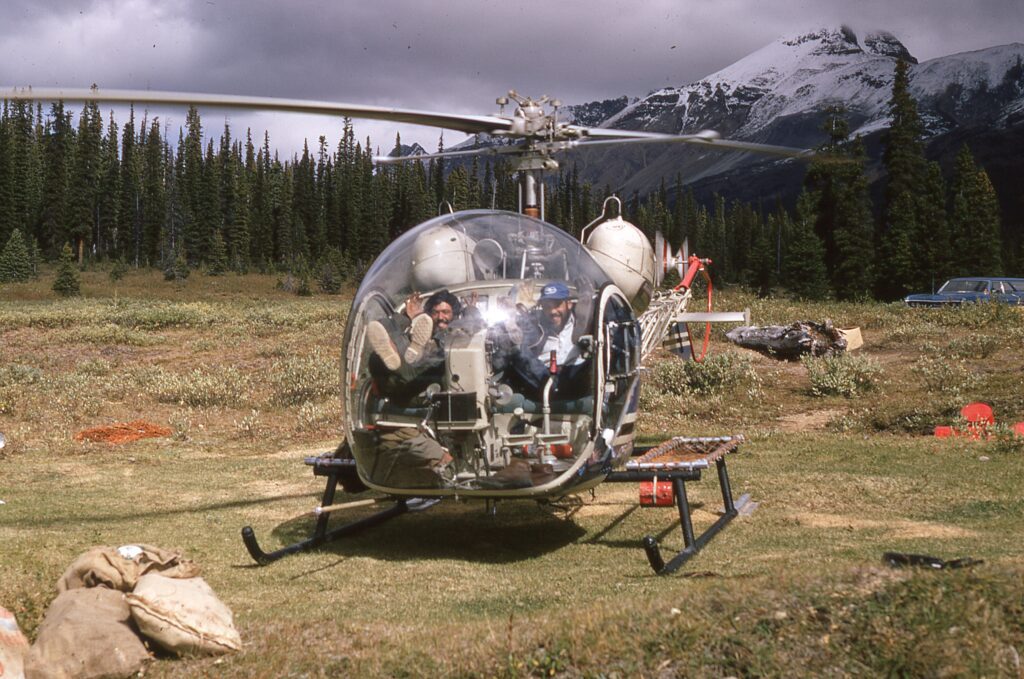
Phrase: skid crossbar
{"type": "Point", "coordinates": [680, 460]}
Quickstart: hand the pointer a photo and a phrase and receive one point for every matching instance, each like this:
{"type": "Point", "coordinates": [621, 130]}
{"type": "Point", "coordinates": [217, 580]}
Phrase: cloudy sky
{"type": "Point", "coordinates": [453, 55]}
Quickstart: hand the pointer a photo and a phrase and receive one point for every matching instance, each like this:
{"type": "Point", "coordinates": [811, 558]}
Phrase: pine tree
{"type": "Point", "coordinates": [974, 223]}
{"type": "Point", "coordinates": [840, 188]}
{"type": "Point", "coordinates": [66, 284]}
{"type": "Point", "coordinates": [803, 264]}
{"type": "Point", "coordinates": [16, 265]}
{"type": "Point", "coordinates": [83, 206]}
{"type": "Point", "coordinates": [118, 269]}
{"type": "Point", "coordinates": [217, 258]}
{"type": "Point", "coordinates": [904, 161]}
{"type": "Point", "coordinates": [935, 254]}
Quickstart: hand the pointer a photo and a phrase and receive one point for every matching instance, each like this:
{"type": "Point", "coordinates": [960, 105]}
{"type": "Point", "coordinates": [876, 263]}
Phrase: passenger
{"type": "Point", "coordinates": [411, 345]}
{"type": "Point", "coordinates": [551, 329]}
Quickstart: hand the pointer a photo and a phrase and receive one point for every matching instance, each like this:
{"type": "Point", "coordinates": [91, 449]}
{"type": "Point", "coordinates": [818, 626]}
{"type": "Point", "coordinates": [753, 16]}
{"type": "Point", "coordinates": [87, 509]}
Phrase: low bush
{"type": "Point", "coordinates": [716, 374]}
{"type": "Point", "coordinates": [841, 375]}
{"type": "Point", "coordinates": [202, 387]}
{"type": "Point", "coordinates": [299, 379]}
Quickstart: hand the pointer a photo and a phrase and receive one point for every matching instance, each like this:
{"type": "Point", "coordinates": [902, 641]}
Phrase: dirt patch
{"type": "Point", "coordinates": [302, 452]}
{"type": "Point", "coordinates": [122, 432]}
{"type": "Point", "coordinates": [899, 528]}
{"type": "Point", "coordinates": [816, 420]}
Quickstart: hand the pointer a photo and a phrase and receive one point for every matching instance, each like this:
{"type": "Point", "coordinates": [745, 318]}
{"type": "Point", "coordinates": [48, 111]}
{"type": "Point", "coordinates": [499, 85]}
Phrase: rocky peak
{"type": "Point", "coordinates": [886, 44]}
{"type": "Point", "coordinates": [832, 41]}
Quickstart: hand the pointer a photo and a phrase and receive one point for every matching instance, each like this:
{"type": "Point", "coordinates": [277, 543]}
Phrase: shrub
{"type": "Point", "coordinates": [301, 379]}
{"type": "Point", "coordinates": [949, 376]}
{"type": "Point", "coordinates": [841, 374]}
{"type": "Point", "coordinates": [118, 269]}
{"type": "Point", "coordinates": [975, 346]}
{"type": "Point", "coordinates": [200, 387]}
{"type": "Point", "coordinates": [716, 374]}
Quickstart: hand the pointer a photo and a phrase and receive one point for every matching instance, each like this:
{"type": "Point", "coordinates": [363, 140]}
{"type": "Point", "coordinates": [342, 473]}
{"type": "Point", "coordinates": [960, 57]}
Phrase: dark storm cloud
{"type": "Point", "coordinates": [458, 55]}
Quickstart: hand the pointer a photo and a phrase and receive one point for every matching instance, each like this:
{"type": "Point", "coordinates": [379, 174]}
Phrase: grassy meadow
{"type": "Point", "coordinates": [246, 378]}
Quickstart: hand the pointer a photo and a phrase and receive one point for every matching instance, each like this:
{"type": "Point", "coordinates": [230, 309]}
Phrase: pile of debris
{"type": "Point", "coordinates": [790, 342]}
{"type": "Point", "coordinates": [113, 604]}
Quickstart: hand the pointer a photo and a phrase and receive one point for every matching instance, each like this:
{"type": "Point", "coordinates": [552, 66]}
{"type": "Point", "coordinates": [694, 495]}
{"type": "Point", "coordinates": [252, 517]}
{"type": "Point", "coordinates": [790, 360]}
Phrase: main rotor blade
{"type": "Point", "coordinates": [706, 138]}
{"type": "Point", "coordinates": [470, 124]}
{"type": "Point", "coordinates": [480, 151]}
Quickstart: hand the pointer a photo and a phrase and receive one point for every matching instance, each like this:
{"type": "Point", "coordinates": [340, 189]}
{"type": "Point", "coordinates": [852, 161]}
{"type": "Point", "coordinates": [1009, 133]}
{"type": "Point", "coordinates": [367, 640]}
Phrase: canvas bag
{"type": "Point", "coordinates": [87, 633]}
{"type": "Point", "coordinates": [183, 616]}
{"type": "Point", "coordinates": [120, 567]}
{"type": "Point", "coordinates": [13, 647]}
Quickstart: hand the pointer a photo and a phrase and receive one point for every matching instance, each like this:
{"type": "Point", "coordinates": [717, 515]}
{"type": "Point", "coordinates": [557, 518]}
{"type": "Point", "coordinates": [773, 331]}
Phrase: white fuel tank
{"type": "Point", "coordinates": [442, 256]}
{"type": "Point", "coordinates": [626, 255]}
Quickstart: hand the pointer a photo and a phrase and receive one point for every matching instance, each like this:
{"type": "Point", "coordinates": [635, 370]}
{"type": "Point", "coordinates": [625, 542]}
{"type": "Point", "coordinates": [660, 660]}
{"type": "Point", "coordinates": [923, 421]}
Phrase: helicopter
{"type": "Point", "coordinates": [459, 377]}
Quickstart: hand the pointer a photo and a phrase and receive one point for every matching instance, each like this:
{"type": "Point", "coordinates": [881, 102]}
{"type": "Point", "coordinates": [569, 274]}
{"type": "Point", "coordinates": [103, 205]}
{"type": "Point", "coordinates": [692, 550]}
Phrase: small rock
{"type": "Point", "coordinates": [984, 458]}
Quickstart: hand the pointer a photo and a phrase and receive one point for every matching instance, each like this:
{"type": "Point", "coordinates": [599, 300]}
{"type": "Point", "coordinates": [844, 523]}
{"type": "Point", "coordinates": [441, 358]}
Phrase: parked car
{"type": "Point", "coordinates": [972, 289]}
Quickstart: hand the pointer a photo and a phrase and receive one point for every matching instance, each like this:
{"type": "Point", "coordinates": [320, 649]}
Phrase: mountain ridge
{"type": "Point", "coordinates": [779, 94]}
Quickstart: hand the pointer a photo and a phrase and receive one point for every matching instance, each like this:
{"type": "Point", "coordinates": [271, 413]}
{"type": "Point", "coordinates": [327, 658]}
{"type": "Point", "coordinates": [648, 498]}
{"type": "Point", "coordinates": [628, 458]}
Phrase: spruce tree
{"type": "Point", "coordinates": [905, 163]}
{"type": "Point", "coordinates": [118, 269]}
{"type": "Point", "coordinates": [66, 284]}
{"type": "Point", "coordinates": [803, 264]}
{"type": "Point", "coordinates": [217, 258]}
{"type": "Point", "coordinates": [974, 223]}
{"type": "Point", "coordinates": [844, 223]}
{"type": "Point", "coordinates": [935, 255]}
{"type": "Point", "coordinates": [16, 265]}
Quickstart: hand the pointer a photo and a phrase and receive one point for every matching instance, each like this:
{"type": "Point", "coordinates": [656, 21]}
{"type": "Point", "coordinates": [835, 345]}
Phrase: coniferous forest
{"type": "Point", "coordinates": [135, 193]}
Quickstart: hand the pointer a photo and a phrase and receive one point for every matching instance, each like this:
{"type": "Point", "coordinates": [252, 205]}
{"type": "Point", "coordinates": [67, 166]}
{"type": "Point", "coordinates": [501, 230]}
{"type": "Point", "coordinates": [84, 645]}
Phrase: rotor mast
{"type": "Point", "coordinates": [538, 127]}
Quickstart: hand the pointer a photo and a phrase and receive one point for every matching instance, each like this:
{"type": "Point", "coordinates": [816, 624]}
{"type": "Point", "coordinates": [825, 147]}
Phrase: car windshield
{"type": "Point", "coordinates": [963, 286]}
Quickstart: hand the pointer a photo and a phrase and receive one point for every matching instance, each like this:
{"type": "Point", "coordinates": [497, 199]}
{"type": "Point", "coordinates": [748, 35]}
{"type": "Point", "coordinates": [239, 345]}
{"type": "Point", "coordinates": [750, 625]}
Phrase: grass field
{"type": "Point", "coordinates": [245, 377]}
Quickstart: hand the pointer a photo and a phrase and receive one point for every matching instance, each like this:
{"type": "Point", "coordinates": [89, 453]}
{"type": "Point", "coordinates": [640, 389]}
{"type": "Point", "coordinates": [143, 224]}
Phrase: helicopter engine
{"type": "Point", "coordinates": [626, 255]}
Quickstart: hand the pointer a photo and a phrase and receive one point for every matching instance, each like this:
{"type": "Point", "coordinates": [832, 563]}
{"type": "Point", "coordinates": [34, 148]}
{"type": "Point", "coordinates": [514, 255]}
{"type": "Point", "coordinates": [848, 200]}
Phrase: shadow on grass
{"type": "Point", "coordinates": [447, 531]}
{"type": "Point", "coordinates": [57, 519]}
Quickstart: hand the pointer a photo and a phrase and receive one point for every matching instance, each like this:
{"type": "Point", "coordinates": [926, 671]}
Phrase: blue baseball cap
{"type": "Point", "coordinates": [555, 290]}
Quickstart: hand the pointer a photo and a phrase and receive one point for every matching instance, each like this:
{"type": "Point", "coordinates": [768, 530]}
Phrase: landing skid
{"type": "Point", "coordinates": [678, 461]}
{"type": "Point", "coordinates": [334, 469]}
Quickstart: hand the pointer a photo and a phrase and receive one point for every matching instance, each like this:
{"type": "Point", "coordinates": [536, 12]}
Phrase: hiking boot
{"type": "Point", "coordinates": [515, 475]}
{"type": "Point", "coordinates": [419, 334]}
{"type": "Point", "coordinates": [382, 345]}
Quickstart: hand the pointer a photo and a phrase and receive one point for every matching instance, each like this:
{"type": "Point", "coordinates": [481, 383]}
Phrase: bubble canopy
{"type": "Point", "coordinates": [478, 245]}
{"type": "Point", "coordinates": [478, 359]}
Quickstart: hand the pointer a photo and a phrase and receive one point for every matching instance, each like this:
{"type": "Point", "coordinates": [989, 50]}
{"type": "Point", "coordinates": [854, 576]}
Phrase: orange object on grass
{"type": "Point", "coordinates": [978, 414]}
{"type": "Point", "coordinates": [122, 432]}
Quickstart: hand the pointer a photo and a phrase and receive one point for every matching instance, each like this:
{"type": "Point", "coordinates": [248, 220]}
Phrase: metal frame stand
{"type": "Point", "coordinates": [335, 469]}
{"type": "Point", "coordinates": [679, 475]}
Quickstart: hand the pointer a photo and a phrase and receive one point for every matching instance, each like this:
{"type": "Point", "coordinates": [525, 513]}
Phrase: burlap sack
{"type": "Point", "coordinates": [13, 647]}
{"type": "Point", "coordinates": [121, 567]}
{"type": "Point", "coordinates": [86, 634]}
{"type": "Point", "coordinates": [183, 616]}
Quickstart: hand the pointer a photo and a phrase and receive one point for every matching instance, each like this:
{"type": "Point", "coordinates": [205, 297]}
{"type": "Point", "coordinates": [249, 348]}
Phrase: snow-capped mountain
{"type": "Point", "coordinates": [805, 74]}
{"type": "Point", "coordinates": [779, 94]}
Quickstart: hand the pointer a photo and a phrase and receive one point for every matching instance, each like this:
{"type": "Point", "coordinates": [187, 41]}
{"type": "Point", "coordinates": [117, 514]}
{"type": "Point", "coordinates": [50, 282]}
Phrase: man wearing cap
{"type": "Point", "coordinates": [552, 331]}
{"type": "Point", "coordinates": [558, 322]}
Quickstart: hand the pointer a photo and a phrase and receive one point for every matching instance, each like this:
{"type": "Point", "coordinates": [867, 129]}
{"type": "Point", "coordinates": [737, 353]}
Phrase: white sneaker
{"type": "Point", "coordinates": [382, 345]}
{"type": "Point", "coordinates": [419, 335]}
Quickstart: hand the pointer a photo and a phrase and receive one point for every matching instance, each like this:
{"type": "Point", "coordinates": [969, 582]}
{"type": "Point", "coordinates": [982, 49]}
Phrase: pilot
{"type": "Point", "coordinates": [551, 330]}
